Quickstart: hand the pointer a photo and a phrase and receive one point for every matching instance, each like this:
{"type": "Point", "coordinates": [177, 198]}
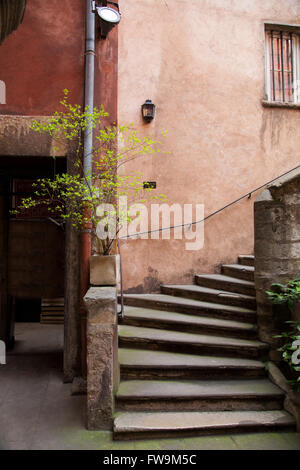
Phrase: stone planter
{"type": "Point", "coordinates": [104, 270]}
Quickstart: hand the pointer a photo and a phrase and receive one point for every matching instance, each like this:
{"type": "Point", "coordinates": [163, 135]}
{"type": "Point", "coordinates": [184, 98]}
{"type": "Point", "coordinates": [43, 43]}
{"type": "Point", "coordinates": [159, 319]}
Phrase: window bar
{"type": "Point", "coordinates": [278, 65]}
{"type": "Point", "coordinates": [282, 67]}
{"type": "Point", "coordinates": [287, 71]}
{"type": "Point", "coordinates": [292, 66]}
{"type": "Point", "coordinates": [273, 68]}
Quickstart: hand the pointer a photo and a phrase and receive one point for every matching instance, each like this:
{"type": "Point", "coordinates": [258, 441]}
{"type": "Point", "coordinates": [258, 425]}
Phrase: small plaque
{"type": "Point", "coordinates": [149, 184]}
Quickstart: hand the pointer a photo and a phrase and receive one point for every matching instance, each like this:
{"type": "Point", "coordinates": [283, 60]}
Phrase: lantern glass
{"type": "Point", "coordinates": [148, 110]}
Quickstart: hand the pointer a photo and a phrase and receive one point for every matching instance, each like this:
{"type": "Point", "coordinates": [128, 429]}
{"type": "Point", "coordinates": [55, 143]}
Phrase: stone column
{"type": "Point", "coordinates": [72, 324]}
{"type": "Point", "coordinates": [277, 250]}
{"type": "Point", "coordinates": [102, 360]}
{"type": "Point", "coordinates": [4, 301]}
{"type": "Point", "coordinates": [72, 327]}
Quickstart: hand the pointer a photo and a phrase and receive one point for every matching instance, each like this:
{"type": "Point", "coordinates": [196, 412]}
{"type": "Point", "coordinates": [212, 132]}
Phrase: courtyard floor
{"type": "Point", "coordinates": [38, 412]}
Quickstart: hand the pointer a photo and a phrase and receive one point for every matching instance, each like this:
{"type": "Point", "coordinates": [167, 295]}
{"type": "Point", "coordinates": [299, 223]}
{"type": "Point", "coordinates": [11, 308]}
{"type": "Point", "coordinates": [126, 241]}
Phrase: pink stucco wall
{"type": "Point", "coordinates": [202, 63]}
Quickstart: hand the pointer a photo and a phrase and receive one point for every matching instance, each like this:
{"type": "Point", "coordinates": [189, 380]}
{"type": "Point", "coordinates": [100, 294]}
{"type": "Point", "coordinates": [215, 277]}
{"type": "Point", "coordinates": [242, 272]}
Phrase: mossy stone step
{"type": "Point", "coordinates": [206, 294]}
{"type": "Point", "coordinates": [166, 340]}
{"type": "Point", "coordinates": [141, 425]}
{"type": "Point", "coordinates": [239, 271]}
{"type": "Point", "coordinates": [226, 283]}
{"type": "Point", "coordinates": [174, 395]}
{"type": "Point", "coordinates": [161, 319]}
{"type": "Point", "coordinates": [147, 365]}
{"type": "Point", "coordinates": [190, 306]}
{"type": "Point", "coordinates": [246, 260]}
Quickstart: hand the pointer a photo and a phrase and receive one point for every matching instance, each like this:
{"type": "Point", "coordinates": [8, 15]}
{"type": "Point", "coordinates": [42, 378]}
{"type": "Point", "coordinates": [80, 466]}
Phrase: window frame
{"type": "Point", "coordinates": [295, 31]}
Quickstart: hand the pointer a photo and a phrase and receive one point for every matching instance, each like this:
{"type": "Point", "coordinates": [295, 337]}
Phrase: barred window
{"type": "Point", "coordinates": [282, 66]}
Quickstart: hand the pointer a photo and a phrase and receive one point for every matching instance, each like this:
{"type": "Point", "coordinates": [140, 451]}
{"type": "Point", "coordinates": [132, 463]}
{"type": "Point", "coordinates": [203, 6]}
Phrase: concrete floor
{"type": "Point", "coordinates": [38, 412]}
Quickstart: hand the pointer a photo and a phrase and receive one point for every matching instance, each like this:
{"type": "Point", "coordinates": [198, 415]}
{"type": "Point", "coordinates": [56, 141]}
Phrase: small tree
{"type": "Point", "coordinates": [76, 196]}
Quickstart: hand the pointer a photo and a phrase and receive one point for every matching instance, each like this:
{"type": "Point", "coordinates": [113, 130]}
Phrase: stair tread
{"type": "Point", "coordinates": [170, 299]}
{"type": "Point", "coordinates": [248, 260]}
{"type": "Point", "coordinates": [225, 278]}
{"type": "Point", "coordinates": [152, 334]}
{"type": "Point", "coordinates": [165, 389]}
{"type": "Point", "coordinates": [140, 312]}
{"type": "Point", "coordinates": [208, 290]}
{"type": "Point", "coordinates": [240, 267]}
{"type": "Point", "coordinates": [167, 360]}
{"type": "Point", "coordinates": [198, 420]}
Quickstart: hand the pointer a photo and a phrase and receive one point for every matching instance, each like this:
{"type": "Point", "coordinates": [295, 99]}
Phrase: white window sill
{"type": "Point", "coordinates": [280, 104]}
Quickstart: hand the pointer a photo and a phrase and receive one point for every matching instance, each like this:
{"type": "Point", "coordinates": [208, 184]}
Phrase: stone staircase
{"type": "Point", "coordinates": [191, 363]}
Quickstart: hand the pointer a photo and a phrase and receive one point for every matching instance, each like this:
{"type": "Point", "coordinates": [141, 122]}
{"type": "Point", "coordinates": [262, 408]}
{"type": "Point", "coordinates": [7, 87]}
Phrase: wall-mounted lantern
{"type": "Point", "coordinates": [148, 110]}
{"type": "Point", "coordinates": [109, 17]}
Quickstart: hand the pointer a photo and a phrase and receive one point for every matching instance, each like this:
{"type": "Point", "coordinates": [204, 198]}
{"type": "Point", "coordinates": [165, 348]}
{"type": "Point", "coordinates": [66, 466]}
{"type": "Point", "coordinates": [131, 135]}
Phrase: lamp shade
{"type": "Point", "coordinates": [109, 18]}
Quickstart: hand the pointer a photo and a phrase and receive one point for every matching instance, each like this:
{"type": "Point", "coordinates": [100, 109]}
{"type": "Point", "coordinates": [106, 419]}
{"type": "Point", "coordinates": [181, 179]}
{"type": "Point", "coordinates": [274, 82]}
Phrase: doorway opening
{"type": "Point", "coordinates": [32, 262]}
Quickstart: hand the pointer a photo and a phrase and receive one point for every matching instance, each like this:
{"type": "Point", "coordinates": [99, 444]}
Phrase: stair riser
{"type": "Point", "coordinates": [237, 273]}
{"type": "Point", "coordinates": [191, 310]}
{"type": "Point", "coordinates": [191, 328]}
{"type": "Point", "coordinates": [200, 404]}
{"type": "Point", "coordinates": [226, 286]}
{"type": "Point", "coordinates": [190, 348]}
{"type": "Point", "coordinates": [130, 373]}
{"type": "Point", "coordinates": [246, 261]}
{"type": "Point", "coordinates": [206, 297]}
{"type": "Point", "coordinates": [237, 429]}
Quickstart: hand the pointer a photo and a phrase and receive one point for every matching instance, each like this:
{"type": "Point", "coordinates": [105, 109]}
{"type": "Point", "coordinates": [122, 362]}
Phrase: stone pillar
{"type": "Point", "coordinates": [4, 303]}
{"type": "Point", "coordinates": [72, 327]}
{"type": "Point", "coordinates": [102, 359]}
{"type": "Point", "coordinates": [277, 250]}
{"type": "Point", "coordinates": [72, 324]}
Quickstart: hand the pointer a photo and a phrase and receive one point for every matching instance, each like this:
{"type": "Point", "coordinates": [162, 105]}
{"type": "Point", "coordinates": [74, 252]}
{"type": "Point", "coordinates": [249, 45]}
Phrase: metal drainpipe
{"type": "Point", "coordinates": [89, 85]}
{"type": "Point", "coordinates": [87, 165]}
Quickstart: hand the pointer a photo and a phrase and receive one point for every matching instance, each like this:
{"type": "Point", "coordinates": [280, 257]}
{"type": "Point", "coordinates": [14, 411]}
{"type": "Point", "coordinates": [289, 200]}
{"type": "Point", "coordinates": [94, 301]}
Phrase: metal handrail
{"type": "Point", "coordinates": [121, 313]}
{"type": "Point", "coordinates": [247, 195]}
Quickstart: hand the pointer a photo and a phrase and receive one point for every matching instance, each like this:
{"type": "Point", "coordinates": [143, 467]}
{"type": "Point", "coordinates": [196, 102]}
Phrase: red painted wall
{"type": "Point", "coordinates": [44, 56]}
{"type": "Point", "coordinates": [106, 74]}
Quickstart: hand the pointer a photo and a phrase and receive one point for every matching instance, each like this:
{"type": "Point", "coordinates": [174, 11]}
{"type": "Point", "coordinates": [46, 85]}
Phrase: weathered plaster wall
{"type": "Point", "coordinates": [18, 139]}
{"type": "Point", "coordinates": [11, 15]}
{"type": "Point", "coordinates": [202, 64]}
{"type": "Point", "coordinates": [44, 56]}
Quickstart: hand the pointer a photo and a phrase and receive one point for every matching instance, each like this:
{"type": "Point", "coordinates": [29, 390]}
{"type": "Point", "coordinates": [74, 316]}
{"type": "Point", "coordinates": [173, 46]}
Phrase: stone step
{"type": "Point", "coordinates": [239, 271]}
{"type": "Point", "coordinates": [190, 307]}
{"type": "Point", "coordinates": [147, 365]}
{"type": "Point", "coordinates": [137, 316]}
{"type": "Point", "coordinates": [141, 425]}
{"type": "Point", "coordinates": [166, 340]}
{"type": "Point", "coordinates": [210, 295]}
{"type": "Point", "coordinates": [225, 283]}
{"type": "Point", "coordinates": [189, 395]}
{"type": "Point", "coordinates": [246, 260]}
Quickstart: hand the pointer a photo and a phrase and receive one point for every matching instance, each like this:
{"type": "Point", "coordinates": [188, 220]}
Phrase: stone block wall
{"type": "Point", "coordinates": [102, 351]}
{"type": "Point", "coordinates": [277, 250]}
